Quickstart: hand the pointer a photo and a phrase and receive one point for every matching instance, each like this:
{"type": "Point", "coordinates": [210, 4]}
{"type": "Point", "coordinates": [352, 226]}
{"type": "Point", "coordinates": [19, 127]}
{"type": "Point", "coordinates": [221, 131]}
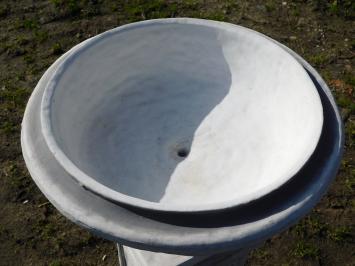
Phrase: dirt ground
{"type": "Point", "coordinates": [34, 33]}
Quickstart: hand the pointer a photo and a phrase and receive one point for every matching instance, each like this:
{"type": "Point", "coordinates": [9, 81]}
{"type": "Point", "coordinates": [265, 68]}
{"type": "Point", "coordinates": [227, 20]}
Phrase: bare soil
{"type": "Point", "coordinates": [33, 34]}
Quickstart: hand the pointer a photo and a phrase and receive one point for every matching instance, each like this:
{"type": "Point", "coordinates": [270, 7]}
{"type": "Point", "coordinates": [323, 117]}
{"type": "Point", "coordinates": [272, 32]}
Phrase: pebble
{"type": "Point", "coordinates": [42, 20]}
{"type": "Point", "coordinates": [348, 68]}
{"type": "Point", "coordinates": [301, 22]}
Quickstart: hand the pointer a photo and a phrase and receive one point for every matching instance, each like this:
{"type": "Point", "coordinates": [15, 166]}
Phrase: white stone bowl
{"type": "Point", "coordinates": [206, 233]}
{"type": "Point", "coordinates": [181, 115]}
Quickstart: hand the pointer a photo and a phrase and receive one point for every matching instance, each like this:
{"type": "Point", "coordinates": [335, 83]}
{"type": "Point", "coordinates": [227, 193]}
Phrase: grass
{"type": "Point", "coordinates": [18, 180]}
{"type": "Point", "coordinates": [311, 226]}
{"type": "Point", "coordinates": [261, 254]}
{"type": "Point", "coordinates": [29, 59]}
{"type": "Point", "coordinates": [350, 135]}
{"type": "Point", "coordinates": [341, 234]}
{"type": "Point", "coordinates": [15, 97]}
{"type": "Point", "coordinates": [349, 78]}
{"type": "Point", "coordinates": [319, 60]}
{"type": "Point", "coordinates": [8, 127]}
{"type": "Point", "coordinates": [37, 32]}
{"type": "Point", "coordinates": [340, 8]}
{"type": "Point", "coordinates": [4, 10]}
{"type": "Point", "coordinates": [345, 102]}
{"type": "Point", "coordinates": [21, 40]}
{"type": "Point", "coordinates": [41, 36]}
{"type": "Point", "coordinates": [56, 263]}
{"type": "Point", "coordinates": [136, 10]}
{"type": "Point", "coordinates": [270, 5]}
{"type": "Point", "coordinates": [30, 24]}
{"type": "Point", "coordinates": [57, 49]}
{"type": "Point", "coordinates": [70, 7]}
{"type": "Point", "coordinates": [295, 11]}
{"type": "Point", "coordinates": [76, 8]}
{"type": "Point", "coordinates": [345, 8]}
{"type": "Point", "coordinates": [306, 250]}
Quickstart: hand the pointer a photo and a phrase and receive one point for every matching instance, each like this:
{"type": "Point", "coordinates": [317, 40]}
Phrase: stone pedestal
{"type": "Point", "coordinates": [218, 235]}
{"type": "Point", "coordinates": [134, 257]}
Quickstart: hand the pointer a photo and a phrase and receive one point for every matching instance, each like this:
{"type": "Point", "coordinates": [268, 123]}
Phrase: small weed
{"type": "Point", "coordinates": [48, 231]}
{"type": "Point", "coordinates": [344, 164]}
{"type": "Point", "coordinates": [14, 50]}
{"type": "Point", "coordinates": [220, 16]}
{"type": "Point", "coordinates": [20, 76]}
{"type": "Point", "coordinates": [73, 7]}
{"type": "Point", "coordinates": [350, 181]}
{"type": "Point", "coordinates": [41, 36]}
{"type": "Point", "coordinates": [310, 226]}
{"type": "Point", "coordinates": [86, 240]}
{"type": "Point", "coordinates": [55, 263]}
{"type": "Point", "coordinates": [333, 7]}
{"type": "Point", "coordinates": [349, 79]}
{"type": "Point", "coordinates": [22, 40]}
{"type": "Point", "coordinates": [57, 49]}
{"type": "Point", "coordinates": [29, 59]}
{"type": "Point", "coordinates": [327, 75]}
{"type": "Point", "coordinates": [192, 4]}
{"type": "Point", "coordinates": [270, 6]}
{"type": "Point", "coordinates": [57, 3]}
{"type": "Point", "coordinates": [114, 7]}
{"type": "Point", "coordinates": [15, 175]}
{"type": "Point", "coordinates": [261, 254]}
{"type": "Point", "coordinates": [91, 8]}
{"type": "Point", "coordinates": [149, 10]}
{"type": "Point", "coordinates": [341, 234]}
{"type": "Point", "coordinates": [319, 60]}
{"type": "Point", "coordinates": [352, 45]}
{"type": "Point", "coordinates": [345, 8]}
{"type": "Point", "coordinates": [30, 24]}
{"type": "Point", "coordinates": [17, 97]}
{"type": "Point", "coordinates": [295, 11]}
{"type": "Point", "coordinates": [350, 133]}
{"type": "Point", "coordinates": [8, 127]}
{"type": "Point", "coordinates": [69, 7]}
{"type": "Point", "coordinates": [3, 231]}
{"type": "Point", "coordinates": [339, 203]}
{"type": "Point", "coordinates": [305, 250]}
{"type": "Point", "coordinates": [346, 102]}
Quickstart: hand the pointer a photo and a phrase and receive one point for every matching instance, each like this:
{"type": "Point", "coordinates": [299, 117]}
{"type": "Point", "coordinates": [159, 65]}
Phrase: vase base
{"type": "Point", "coordinates": [134, 257]}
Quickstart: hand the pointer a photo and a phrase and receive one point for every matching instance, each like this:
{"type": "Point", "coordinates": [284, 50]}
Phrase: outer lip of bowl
{"type": "Point", "coordinates": [107, 193]}
{"type": "Point", "coordinates": [160, 237]}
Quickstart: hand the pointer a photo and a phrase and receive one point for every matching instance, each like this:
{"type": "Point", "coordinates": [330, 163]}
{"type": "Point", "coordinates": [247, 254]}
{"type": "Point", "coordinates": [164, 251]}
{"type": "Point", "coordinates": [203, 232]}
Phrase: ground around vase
{"type": "Point", "coordinates": [33, 34]}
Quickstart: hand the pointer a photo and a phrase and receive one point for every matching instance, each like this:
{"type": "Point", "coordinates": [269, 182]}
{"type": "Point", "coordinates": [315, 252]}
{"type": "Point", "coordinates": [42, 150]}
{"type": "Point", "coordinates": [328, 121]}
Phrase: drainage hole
{"type": "Point", "coordinates": [182, 152]}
